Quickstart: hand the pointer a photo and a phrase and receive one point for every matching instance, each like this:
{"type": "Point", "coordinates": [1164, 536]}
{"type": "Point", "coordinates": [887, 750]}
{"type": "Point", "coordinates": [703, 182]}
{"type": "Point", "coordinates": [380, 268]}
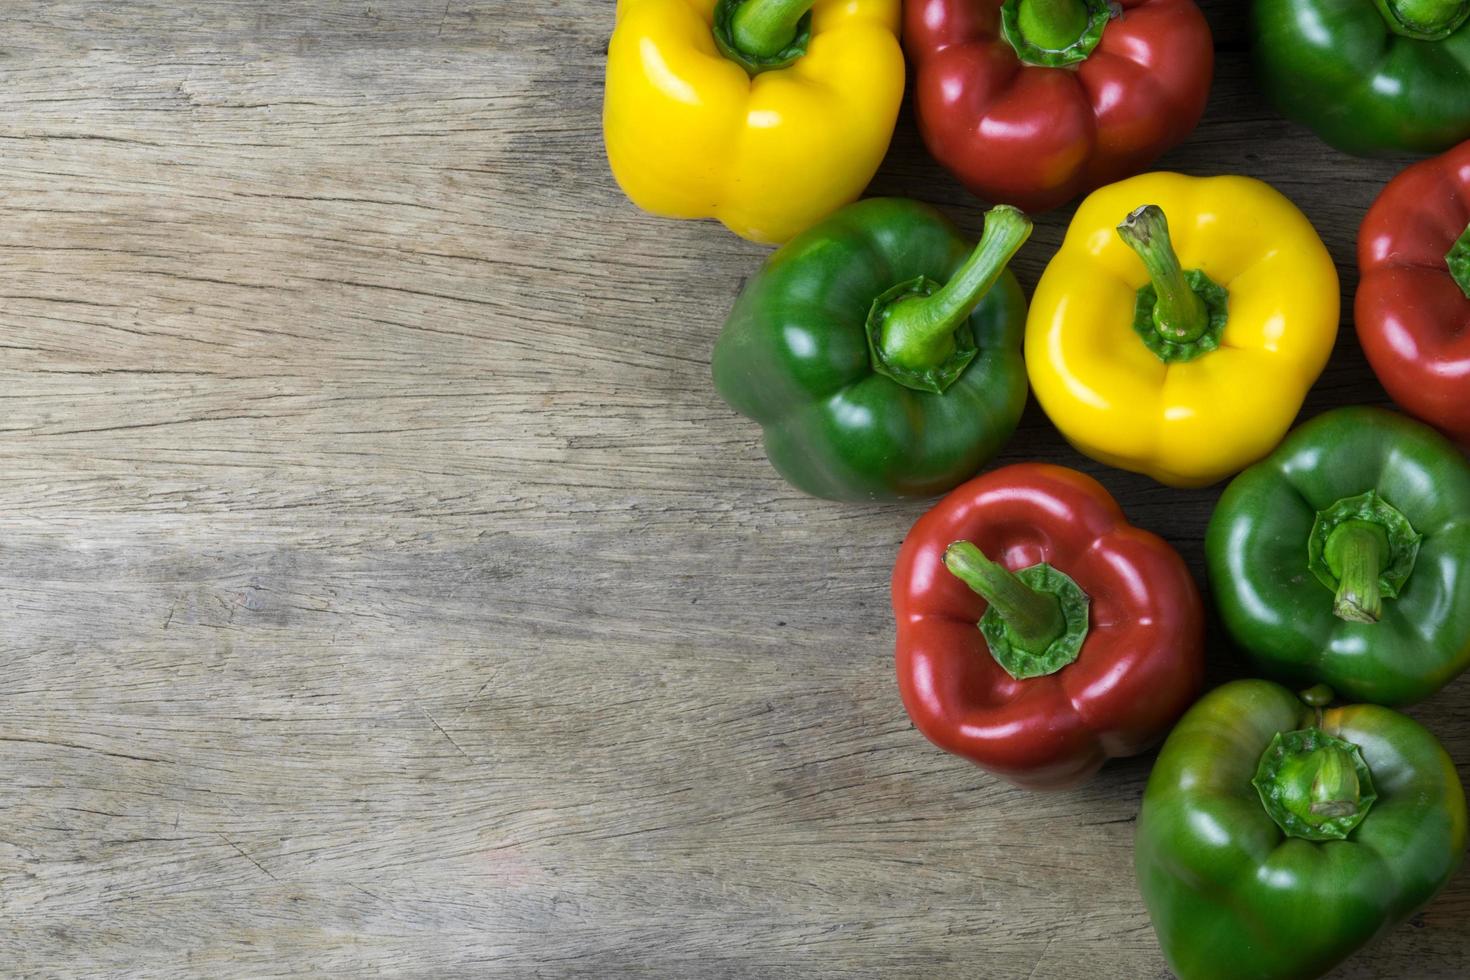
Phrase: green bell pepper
{"type": "Point", "coordinates": [1344, 557]}
{"type": "Point", "coordinates": [1369, 76]}
{"type": "Point", "coordinates": [881, 355]}
{"type": "Point", "coordinates": [1276, 837]}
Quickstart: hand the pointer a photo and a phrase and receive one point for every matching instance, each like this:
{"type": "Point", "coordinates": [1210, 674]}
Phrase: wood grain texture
{"type": "Point", "coordinates": [385, 590]}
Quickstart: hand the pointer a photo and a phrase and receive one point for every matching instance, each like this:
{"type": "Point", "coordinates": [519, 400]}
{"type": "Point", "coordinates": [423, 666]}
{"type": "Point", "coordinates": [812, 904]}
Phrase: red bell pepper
{"type": "Point", "coordinates": [1033, 102]}
{"type": "Point", "coordinates": [1413, 303]}
{"type": "Point", "coordinates": [1091, 632]}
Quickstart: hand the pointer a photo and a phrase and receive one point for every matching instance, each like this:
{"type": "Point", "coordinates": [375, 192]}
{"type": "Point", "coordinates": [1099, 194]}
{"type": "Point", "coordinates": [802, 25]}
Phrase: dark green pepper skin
{"type": "Point", "coordinates": [793, 356]}
{"type": "Point", "coordinates": [1231, 896]}
{"type": "Point", "coordinates": [1338, 67]}
{"type": "Point", "coordinates": [1280, 614]}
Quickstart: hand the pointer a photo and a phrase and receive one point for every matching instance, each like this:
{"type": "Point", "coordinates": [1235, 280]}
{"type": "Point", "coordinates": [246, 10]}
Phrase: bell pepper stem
{"type": "Point", "coordinates": [1335, 789]}
{"type": "Point", "coordinates": [764, 28]}
{"type": "Point", "coordinates": [1357, 551]}
{"type": "Point", "coordinates": [1054, 33]}
{"type": "Point", "coordinates": [1053, 24]}
{"type": "Point", "coordinates": [1314, 785]}
{"type": "Point", "coordinates": [1458, 258]}
{"type": "Point", "coordinates": [1424, 20]}
{"type": "Point", "coordinates": [918, 331]}
{"type": "Point", "coordinates": [1034, 618]}
{"type": "Point", "coordinates": [1180, 316]}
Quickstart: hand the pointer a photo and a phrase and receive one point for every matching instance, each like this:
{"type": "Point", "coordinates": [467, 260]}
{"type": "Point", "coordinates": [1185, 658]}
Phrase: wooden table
{"type": "Point", "coordinates": [386, 590]}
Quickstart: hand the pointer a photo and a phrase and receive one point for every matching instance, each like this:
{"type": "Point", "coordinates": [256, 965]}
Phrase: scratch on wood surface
{"type": "Point", "coordinates": [1045, 949]}
{"type": "Point", "coordinates": [374, 897]}
{"type": "Point", "coordinates": [446, 734]}
{"type": "Point", "coordinates": [263, 869]}
{"type": "Point", "coordinates": [476, 696]}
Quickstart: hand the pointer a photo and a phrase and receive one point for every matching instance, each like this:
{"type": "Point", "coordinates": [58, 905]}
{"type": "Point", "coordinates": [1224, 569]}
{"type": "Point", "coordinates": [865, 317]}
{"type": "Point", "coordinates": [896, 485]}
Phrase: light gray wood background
{"type": "Point", "coordinates": [385, 590]}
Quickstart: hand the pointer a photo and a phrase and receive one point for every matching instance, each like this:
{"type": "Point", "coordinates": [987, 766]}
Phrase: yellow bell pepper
{"type": "Point", "coordinates": [1182, 342]}
{"type": "Point", "coordinates": [769, 121]}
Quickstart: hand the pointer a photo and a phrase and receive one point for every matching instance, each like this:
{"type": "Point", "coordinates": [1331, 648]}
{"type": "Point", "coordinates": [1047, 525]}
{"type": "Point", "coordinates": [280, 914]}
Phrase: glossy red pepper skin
{"type": "Point", "coordinates": [1141, 665]}
{"type": "Point", "coordinates": [1413, 319]}
{"type": "Point", "coordinates": [1037, 137]}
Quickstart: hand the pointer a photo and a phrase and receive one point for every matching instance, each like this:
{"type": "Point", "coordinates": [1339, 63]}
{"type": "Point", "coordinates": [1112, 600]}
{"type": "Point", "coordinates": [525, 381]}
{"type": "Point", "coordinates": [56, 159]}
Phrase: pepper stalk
{"type": "Point", "coordinates": [1363, 549]}
{"type": "Point", "coordinates": [1424, 20]}
{"type": "Point", "coordinates": [1336, 789]}
{"type": "Point", "coordinates": [1315, 786]}
{"type": "Point", "coordinates": [1054, 33]}
{"type": "Point", "coordinates": [1178, 314]}
{"type": "Point", "coordinates": [918, 331]}
{"type": "Point", "coordinates": [762, 35]}
{"type": "Point", "coordinates": [1359, 550]}
{"type": "Point", "coordinates": [1036, 618]}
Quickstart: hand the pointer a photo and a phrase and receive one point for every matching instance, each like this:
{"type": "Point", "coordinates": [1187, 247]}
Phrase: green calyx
{"type": "Point", "coordinates": [919, 331]}
{"type": "Point", "coordinates": [1363, 549]}
{"type": "Point", "coordinates": [1178, 314]}
{"type": "Point", "coordinates": [930, 363]}
{"type": "Point", "coordinates": [1036, 618]}
{"type": "Point", "coordinates": [1315, 786]}
{"type": "Point", "coordinates": [1458, 259]}
{"type": "Point", "coordinates": [1424, 20]}
{"type": "Point", "coordinates": [763, 35]}
{"type": "Point", "coordinates": [1054, 33]}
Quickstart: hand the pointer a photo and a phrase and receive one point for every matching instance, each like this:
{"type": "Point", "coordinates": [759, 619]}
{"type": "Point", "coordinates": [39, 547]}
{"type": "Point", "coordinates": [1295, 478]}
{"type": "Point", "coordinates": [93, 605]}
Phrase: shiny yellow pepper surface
{"type": "Point", "coordinates": [766, 114]}
{"type": "Point", "coordinates": [1179, 327]}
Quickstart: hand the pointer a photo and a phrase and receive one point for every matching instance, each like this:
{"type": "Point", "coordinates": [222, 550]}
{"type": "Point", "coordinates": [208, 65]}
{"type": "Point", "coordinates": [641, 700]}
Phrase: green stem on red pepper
{"type": "Point", "coordinates": [1052, 24]}
{"type": "Point", "coordinates": [762, 35]}
{"type": "Point", "coordinates": [1034, 618]}
{"type": "Point", "coordinates": [1054, 33]}
{"type": "Point", "coordinates": [1037, 618]}
{"type": "Point", "coordinates": [1458, 259]}
{"type": "Point", "coordinates": [1424, 20]}
{"type": "Point", "coordinates": [918, 331]}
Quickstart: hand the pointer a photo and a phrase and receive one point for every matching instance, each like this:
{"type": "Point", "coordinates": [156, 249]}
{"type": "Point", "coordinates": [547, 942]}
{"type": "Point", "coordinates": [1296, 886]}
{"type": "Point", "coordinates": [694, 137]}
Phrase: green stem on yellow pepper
{"type": "Point", "coordinates": [765, 28]}
{"type": "Point", "coordinates": [1424, 20]}
{"type": "Point", "coordinates": [1180, 315]}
